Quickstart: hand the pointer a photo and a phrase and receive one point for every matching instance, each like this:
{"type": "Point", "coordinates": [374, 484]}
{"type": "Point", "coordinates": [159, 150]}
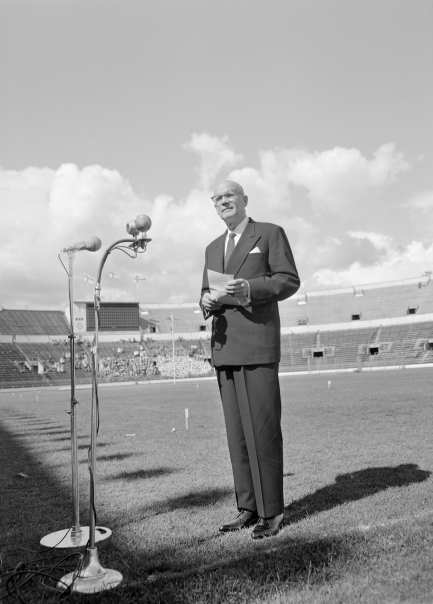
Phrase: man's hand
{"type": "Point", "coordinates": [238, 287]}
{"type": "Point", "coordinates": [209, 303]}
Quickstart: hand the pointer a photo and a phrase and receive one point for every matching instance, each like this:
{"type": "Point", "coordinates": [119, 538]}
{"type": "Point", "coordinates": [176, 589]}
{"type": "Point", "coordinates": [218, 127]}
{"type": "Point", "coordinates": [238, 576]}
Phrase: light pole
{"type": "Point", "coordinates": [172, 345]}
{"type": "Point", "coordinates": [137, 279]}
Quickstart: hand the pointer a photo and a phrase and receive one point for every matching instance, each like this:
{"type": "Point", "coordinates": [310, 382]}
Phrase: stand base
{"type": "Point", "coordinates": [92, 577]}
{"type": "Point", "coordinates": [64, 539]}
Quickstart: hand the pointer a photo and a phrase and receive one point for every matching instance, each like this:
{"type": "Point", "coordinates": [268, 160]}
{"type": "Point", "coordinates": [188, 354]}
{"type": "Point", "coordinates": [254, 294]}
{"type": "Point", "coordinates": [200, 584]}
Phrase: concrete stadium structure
{"type": "Point", "coordinates": [362, 327]}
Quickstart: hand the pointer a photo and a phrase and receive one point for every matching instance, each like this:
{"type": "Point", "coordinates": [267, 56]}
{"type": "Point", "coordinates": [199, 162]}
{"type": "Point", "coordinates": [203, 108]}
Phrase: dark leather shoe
{"type": "Point", "coordinates": [244, 519]}
{"type": "Point", "coordinates": [268, 527]}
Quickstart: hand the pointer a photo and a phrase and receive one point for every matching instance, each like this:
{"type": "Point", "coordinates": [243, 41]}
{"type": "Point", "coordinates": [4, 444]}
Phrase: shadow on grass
{"type": "Point", "coordinates": [30, 509]}
{"type": "Point", "coordinates": [194, 499]}
{"type": "Point", "coordinates": [352, 487]}
{"type": "Point", "coordinates": [36, 422]}
{"type": "Point", "coordinates": [80, 448]}
{"type": "Point", "coordinates": [63, 438]}
{"type": "Point", "coordinates": [24, 502]}
{"type": "Point", "coordinates": [114, 457]}
{"type": "Point", "coordinates": [50, 430]}
{"type": "Point", "coordinates": [290, 559]}
{"type": "Point", "coordinates": [141, 474]}
{"type": "Point", "coordinates": [31, 432]}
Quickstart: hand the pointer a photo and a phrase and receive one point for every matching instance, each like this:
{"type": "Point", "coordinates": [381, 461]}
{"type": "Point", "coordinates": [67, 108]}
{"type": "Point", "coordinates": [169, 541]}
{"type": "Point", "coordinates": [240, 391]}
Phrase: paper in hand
{"type": "Point", "coordinates": [218, 281]}
{"type": "Point", "coordinates": [217, 284]}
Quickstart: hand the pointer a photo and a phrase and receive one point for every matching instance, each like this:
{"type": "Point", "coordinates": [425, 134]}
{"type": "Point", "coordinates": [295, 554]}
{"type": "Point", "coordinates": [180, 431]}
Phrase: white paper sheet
{"type": "Point", "coordinates": [217, 283]}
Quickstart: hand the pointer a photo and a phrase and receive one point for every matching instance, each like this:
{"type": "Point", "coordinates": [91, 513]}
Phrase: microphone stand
{"type": "Point", "coordinates": [92, 577]}
{"type": "Point", "coordinates": [76, 535]}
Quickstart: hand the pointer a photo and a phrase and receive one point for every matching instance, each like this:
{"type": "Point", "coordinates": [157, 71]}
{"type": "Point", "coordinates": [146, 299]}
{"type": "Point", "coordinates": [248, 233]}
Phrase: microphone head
{"type": "Point", "coordinates": [131, 228]}
{"type": "Point", "coordinates": [93, 244]}
{"type": "Point", "coordinates": [143, 222]}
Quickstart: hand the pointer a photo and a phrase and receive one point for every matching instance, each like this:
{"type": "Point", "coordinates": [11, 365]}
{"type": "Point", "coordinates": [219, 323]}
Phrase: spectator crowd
{"type": "Point", "coordinates": [153, 360]}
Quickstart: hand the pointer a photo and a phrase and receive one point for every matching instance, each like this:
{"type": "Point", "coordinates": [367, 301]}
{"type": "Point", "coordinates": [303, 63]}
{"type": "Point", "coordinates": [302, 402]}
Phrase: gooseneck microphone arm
{"type": "Point", "coordinates": [137, 246]}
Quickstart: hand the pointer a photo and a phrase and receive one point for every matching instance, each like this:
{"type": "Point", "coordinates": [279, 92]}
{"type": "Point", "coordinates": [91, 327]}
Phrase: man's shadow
{"type": "Point", "coordinates": [354, 486]}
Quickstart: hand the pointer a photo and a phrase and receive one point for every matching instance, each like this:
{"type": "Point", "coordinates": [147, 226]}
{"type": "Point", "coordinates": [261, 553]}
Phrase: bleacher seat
{"type": "Point", "coordinates": [33, 322]}
{"type": "Point", "coordinates": [378, 301]}
{"type": "Point", "coordinates": [407, 339]}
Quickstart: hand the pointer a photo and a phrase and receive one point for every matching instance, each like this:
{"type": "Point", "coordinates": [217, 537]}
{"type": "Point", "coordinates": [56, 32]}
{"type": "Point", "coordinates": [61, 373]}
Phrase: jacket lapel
{"type": "Point", "coordinates": [245, 244]}
{"type": "Point", "coordinates": [216, 254]}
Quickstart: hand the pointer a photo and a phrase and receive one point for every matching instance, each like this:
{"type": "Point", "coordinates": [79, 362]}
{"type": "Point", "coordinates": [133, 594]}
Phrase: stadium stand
{"type": "Point", "coordinates": [346, 345]}
{"type": "Point", "coordinates": [187, 318]}
{"type": "Point", "coordinates": [370, 302]}
{"type": "Point", "coordinates": [13, 369]}
{"type": "Point", "coordinates": [33, 322]}
{"type": "Point", "coordinates": [393, 327]}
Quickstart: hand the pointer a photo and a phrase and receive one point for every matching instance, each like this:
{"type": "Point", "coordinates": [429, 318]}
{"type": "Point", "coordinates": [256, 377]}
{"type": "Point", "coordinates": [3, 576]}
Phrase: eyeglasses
{"type": "Point", "coordinates": [230, 195]}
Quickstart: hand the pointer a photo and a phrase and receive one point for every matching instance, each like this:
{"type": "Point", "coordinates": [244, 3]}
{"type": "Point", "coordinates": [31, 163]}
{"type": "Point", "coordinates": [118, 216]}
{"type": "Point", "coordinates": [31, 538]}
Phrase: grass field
{"type": "Point", "coordinates": [358, 492]}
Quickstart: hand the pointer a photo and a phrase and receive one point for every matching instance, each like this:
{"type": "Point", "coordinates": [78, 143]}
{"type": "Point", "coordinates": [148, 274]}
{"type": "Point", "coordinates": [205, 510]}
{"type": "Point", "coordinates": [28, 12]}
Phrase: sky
{"type": "Point", "coordinates": [320, 109]}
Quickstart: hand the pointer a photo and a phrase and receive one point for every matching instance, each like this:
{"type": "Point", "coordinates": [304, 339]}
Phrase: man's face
{"type": "Point", "coordinates": [230, 203]}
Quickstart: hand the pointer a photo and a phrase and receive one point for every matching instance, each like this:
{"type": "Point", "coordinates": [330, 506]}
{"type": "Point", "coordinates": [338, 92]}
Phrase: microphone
{"type": "Point", "coordinates": [91, 245]}
{"type": "Point", "coordinates": [141, 224]}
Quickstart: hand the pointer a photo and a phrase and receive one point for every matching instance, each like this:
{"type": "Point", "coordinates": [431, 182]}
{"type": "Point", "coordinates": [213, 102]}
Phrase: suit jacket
{"type": "Point", "coordinates": [240, 337]}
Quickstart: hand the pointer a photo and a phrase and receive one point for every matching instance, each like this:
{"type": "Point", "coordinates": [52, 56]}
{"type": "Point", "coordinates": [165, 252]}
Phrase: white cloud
{"type": "Point", "coordinates": [340, 178]}
{"type": "Point", "coordinates": [43, 210]}
{"type": "Point", "coordinates": [379, 240]}
{"type": "Point", "coordinates": [215, 154]}
{"type": "Point", "coordinates": [398, 263]}
{"type": "Point", "coordinates": [335, 180]}
{"type": "Point", "coordinates": [423, 202]}
{"type": "Point", "coordinates": [269, 185]}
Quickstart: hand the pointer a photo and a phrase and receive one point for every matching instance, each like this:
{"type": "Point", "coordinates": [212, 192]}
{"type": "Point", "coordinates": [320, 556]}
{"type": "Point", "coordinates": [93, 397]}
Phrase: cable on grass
{"type": "Point", "coordinates": [23, 573]}
{"type": "Point", "coordinates": [18, 576]}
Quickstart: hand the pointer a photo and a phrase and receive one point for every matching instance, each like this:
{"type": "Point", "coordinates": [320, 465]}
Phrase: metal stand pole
{"type": "Point", "coordinates": [93, 577]}
{"type": "Point", "coordinates": [172, 346]}
{"type": "Point", "coordinates": [76, 535]}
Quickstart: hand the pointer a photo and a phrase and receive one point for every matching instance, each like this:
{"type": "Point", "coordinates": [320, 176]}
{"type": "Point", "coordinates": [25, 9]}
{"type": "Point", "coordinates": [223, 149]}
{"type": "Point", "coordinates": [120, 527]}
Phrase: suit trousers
{"type": "Point", "coordinates": [251, 402]}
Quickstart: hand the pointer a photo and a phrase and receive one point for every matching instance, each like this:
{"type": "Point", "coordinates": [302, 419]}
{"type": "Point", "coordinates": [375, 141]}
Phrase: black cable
{"type": "Point", "coordinates": [76, 572]}
{"type": "Point", "coordinates": [124, 248]}
{"type": "Point", "coordinates": [20, 576]}
{"type": "Point", "coordinates": [95, 401]}
{"type": "Point", "coordinates": [61, 261]}
{"type": "Point", "coordinates": [32, 568]}
{"type": "Point", "coordinates": [56, 545]}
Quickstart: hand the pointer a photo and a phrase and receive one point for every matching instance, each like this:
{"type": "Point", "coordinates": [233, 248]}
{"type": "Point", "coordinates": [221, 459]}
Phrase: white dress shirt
{"type": "Point", "coordinates": [238, 232]}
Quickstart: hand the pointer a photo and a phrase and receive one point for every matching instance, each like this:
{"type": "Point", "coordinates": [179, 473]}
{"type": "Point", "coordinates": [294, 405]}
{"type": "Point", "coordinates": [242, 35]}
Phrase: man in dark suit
{"type": "Point", "coordinates": [245, 348]}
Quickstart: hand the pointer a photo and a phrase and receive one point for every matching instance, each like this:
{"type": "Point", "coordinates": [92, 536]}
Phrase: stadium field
{"type": "Point", "coordinates": [358, 493]}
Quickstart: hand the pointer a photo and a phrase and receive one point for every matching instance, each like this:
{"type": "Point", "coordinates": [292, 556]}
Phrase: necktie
{"type": "Point", "coordinates": [230, 248]}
